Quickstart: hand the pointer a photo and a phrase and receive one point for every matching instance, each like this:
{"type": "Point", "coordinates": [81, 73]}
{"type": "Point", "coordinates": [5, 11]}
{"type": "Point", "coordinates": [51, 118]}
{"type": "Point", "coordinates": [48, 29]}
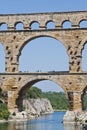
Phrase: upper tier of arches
{"type": "Point", "coordinates": [64, 20]}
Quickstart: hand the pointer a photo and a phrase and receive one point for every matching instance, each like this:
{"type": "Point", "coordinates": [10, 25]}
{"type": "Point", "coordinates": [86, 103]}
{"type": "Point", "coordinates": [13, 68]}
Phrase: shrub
{"type": "Point", "coordinates": [4, 113]}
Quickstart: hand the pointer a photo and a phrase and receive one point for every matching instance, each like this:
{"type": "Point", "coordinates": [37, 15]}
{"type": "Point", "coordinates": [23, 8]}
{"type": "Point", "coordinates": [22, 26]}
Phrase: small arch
{"type": "Point", "coordinates": [19, 26]}
{"type": "Point", "coordinates": [83, 24]}
{"type": "Point", "coordinates": [66, 24]}
{"type": "Point", "coordinates": [3, 26]}
{"type": "Point", "coordinates": [34, 25]}
{"type": "Point", "coordinates": [50, 25]}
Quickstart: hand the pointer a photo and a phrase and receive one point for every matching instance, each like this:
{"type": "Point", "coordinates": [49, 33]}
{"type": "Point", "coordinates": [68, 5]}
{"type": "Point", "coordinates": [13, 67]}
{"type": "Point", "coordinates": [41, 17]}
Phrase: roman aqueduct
{"type": "Point", "coordinates": [15, 83]}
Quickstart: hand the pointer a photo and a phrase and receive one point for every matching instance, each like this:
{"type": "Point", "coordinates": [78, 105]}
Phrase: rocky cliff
{"type": "Point", "coordinates": [33, 108]}
{"type": "Point", "coordinates": [37, 107]}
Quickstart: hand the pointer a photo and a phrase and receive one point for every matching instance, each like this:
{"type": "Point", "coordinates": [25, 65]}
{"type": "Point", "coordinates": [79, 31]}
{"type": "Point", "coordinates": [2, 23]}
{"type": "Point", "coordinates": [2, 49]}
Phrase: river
{"type": "Point", "coordinates": [46, 122]}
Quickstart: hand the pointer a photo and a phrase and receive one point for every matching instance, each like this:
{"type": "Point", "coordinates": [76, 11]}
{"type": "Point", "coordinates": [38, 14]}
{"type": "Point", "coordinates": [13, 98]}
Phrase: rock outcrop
{"type": "Point", "coordinates": [37, 107]}
{"type": "Point", "coordinates": [33, 108]}
{"type": "Point", "coordinates": [76, 117]}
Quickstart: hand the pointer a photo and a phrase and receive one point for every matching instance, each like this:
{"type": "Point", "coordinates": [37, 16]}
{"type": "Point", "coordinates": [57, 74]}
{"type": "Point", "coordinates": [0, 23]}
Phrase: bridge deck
{"type": "Point", "coordinates": [46, 73]}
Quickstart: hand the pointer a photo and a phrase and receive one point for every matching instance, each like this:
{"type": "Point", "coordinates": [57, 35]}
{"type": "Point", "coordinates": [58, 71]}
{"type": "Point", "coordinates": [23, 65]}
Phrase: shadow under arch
{"type": "Point", "coordinates": [24, 89]}
{"type": "Point", "coordinates": [84, 98]}
{"type": "Point", "coordinates": [2, 58]}
{"type": "Point", "coordinates": [41, 41]}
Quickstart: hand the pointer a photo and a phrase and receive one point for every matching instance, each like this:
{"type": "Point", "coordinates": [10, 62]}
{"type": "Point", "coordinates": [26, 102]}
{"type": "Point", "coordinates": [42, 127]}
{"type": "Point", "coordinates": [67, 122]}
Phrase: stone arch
{"type": "Point", "coordinates": [60, 45]}
{"type": "Point", "coordinates": [2, 58]}
{"type": "Point", "coordinates": [26, 86]}
{"type": "Point", "coordinates": [83, 23]}
{"type": "Point", "coordinates": [19, 26]}
{"type": "Point", "coordinates": [50, 24]}
{"type": "Point", "coordinates": [84, 57]}
{"type": "Point", "coordinates": [34, 25]}
{"type": "Point", "coordinates": [3, 26]}
{"type": "Point", "coordinates": [66, 24]}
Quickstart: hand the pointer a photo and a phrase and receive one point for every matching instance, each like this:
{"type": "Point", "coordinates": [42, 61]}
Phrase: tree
{"type": "Point", "coordinates": [58, 99]}
{"type": "Point", "coordinates": [34, 92]}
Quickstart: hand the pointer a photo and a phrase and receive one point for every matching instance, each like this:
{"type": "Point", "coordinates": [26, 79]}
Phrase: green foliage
{"type": "Point", "coordinates": [58, 99]}
{"type": "Point", "coordinates": [4, 113]}
{"type": "Point", "coordinates": [3, 95]}
{"type": "Point", "coordinates": [4, 126]}
{"type": "Point", "coordinates": [34, 92]}
{"type": "Point", "coordinates": [85, 102]}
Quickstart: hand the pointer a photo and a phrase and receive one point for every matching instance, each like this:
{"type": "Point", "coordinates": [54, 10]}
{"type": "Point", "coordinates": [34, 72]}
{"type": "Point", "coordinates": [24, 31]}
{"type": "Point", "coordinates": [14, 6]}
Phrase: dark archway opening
{"type": "Point", "coordinates": [84, 99]}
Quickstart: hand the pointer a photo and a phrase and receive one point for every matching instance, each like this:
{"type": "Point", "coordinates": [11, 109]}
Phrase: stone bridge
{"type": "Point", "coordinates": [15, 83]}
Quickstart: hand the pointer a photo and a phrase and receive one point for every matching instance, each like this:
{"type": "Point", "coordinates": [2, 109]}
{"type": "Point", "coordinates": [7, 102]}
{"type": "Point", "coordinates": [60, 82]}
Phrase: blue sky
{"type": "Point", "coordinates": [48, 57]}
{"type": "Point", "coordinates": [29, 6]}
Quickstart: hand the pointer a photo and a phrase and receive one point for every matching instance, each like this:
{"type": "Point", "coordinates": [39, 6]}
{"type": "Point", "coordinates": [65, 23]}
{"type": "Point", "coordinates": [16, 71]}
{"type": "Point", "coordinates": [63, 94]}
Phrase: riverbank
{"type": "Point", "coordinates": [73, 117]}
{"type": "Point", "coordinates": [58, 110]}
{"type": "Point", "coordinates": [22, 118]}
{"type": "Point", "coordinates": [33, 108]}
{"type": "Point", "coordinates": [47, 122]}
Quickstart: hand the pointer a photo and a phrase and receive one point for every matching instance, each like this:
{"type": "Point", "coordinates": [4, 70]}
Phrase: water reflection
{"type": "Point", "coordinates": [47, 122]}
{"type": "Point", "coordinates": [39, 126]}
{"type": "Point", "coordinates": [72, 127]}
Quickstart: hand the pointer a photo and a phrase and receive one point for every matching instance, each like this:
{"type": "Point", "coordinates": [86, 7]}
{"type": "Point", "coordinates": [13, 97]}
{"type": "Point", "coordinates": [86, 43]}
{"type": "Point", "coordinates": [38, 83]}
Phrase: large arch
{"type": "Point", "coordinates": [24, 89]}
{"type": "Point", "coordinates": [2, 58]}
{"type": "Point", "coordinates": [84, 57]}
{"type": "Point", "coordinates": [44, 49]}
{"type": "Point", "coordinates": [41, 34]}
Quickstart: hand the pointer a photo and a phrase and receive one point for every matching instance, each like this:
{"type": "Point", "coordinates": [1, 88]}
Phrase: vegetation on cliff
{"type": "Point", "coordinates": [4, 113]}
{"type": "Point", "coordinates": [58, 99]}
